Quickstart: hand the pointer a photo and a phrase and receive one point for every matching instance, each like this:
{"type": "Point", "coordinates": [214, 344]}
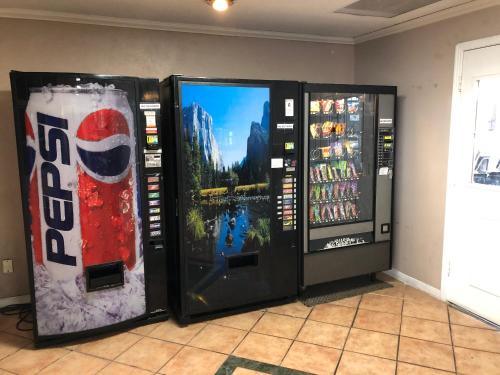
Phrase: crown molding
{"type": "Point", "coordinates": [440, 15]}
{"type": "Point", "coordinates": [41, 15]}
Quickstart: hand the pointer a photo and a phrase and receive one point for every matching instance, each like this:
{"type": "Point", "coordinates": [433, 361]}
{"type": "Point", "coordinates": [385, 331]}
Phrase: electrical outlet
{"type": "Point", "coordinates": [7, 266]}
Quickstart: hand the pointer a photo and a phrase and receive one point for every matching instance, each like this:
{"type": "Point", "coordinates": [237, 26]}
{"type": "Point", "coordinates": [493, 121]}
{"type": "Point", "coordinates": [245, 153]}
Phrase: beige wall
{"type": "Point", "coordinates": [421, 62]}
{"type": "Point", "coordinates": [49, 46]}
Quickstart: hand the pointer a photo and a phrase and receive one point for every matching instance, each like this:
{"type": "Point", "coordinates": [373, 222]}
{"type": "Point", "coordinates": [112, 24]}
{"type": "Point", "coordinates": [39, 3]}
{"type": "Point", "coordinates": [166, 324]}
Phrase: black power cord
{"type": "Point", "coordinates": [24, 313]}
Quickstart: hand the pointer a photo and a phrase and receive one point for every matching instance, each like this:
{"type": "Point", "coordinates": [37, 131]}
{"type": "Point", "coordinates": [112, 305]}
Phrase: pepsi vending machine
{"type": "Point", "coordinates": [90, 160]}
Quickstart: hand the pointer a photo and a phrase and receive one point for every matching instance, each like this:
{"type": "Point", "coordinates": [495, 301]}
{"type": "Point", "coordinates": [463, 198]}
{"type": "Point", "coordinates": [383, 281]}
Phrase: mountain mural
{"type": "Point", "coordinates": [255, 165]}
{"type": "Point", "coordinates": [199, 122]}
{"type": "Point", "coordinates": [265, 118]}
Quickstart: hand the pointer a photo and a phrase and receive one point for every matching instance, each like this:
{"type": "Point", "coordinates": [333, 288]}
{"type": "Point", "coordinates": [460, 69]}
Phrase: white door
{"type": "Point", "coordinates": [472, 231]}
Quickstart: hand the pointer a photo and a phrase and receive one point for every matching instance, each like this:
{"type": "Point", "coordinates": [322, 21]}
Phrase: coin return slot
{"type": "Point", "coordinates": [104, 276]}
{"type": "Point", "coordinates": [242, 260]}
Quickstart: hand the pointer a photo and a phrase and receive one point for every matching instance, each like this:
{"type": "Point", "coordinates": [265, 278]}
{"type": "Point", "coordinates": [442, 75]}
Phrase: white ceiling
{"type": "Point", "coordinates": [313, 20]}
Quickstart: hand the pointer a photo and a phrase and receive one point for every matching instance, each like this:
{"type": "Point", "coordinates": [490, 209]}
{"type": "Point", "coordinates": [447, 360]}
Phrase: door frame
{"type": "Point", "coordinates": [460, 51]}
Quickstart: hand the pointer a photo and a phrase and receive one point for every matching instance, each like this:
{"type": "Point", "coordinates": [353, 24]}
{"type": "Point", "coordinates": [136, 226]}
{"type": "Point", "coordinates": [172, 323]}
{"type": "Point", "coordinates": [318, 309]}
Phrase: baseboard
{"type": "Point", "coordinates": [14, 300]}
{"type": "Point", "coordinates": [417, 284]}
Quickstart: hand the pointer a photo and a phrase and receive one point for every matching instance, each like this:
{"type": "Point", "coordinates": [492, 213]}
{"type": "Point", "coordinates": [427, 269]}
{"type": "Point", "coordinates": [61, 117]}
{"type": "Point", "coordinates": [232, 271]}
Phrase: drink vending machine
{"type": "Point", "coordinates": [90, 160]}
{"type": "Point", "coordinates": [232, 164]}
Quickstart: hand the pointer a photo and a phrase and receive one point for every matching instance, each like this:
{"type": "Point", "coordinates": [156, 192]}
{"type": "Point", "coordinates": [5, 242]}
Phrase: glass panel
{"type": "Point", "coordinates": [341, 128]}
{"type": "Point", "coordinates": [226, 173]}
{"type": "Point", "coordinates": [486, 157]}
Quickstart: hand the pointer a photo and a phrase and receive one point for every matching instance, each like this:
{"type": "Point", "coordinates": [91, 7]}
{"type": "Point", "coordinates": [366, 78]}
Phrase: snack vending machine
{"type": "Point", "coordinates": [90, 159]}
{"type": "Point", "coordinates": [348, 159]}
{"type": "Point", "coordinates": [232, 193]}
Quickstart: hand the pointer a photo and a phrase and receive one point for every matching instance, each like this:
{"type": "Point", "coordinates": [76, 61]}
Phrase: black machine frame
{"type": "Point", "coordinates": [145, 90]}
{"type": "Point", "coordinates": [377, 90]}
{"type": "Point", "coordinates": [172, 127]}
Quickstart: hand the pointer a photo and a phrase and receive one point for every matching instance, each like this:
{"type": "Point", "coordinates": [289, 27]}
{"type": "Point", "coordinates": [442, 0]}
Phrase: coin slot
{"type": "Point", "coordinates": [385, 228]}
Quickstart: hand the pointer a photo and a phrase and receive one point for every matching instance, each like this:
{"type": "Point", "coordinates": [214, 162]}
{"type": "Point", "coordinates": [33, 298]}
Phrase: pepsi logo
{"type": "Point", "coordinates": [104, 146]}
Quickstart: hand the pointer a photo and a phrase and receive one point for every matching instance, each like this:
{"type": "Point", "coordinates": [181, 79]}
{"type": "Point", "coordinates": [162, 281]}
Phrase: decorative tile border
{"type": "Point", "coordinates": [232, 363]}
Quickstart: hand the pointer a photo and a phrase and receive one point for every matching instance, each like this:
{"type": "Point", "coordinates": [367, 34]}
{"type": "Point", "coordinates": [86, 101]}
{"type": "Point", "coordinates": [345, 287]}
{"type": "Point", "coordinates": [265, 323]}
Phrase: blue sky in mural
{"type": "Point", "coordinates": [233, 108]}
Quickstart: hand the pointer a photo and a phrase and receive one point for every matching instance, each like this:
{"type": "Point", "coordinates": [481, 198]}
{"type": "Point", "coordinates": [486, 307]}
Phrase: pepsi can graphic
{"type": "Point", "coordinates": [83, 204]}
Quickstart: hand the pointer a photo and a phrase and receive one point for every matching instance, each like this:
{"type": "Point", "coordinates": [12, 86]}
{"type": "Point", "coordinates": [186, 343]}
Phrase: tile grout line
{"type": "Point", "coordinates": [115, 357]}
{"type": "Point", "coordinates": [250, 330]}
{"type": "Point", "coordinates": [451, 338]}
{"type": "Point", "coordinates": [106, 359]}
{"type": "Point", "coordinates": [297, 335]}
{"type": "Point", "coordinates": [399, 334]}
{"type": "Point", "coordinates": [196, 334]}
{"type": "Point", "coordinates": [109, 364]}
{"type": "Point", "coordinates": [347, 337]}
{"type": "Point", "coordinates": [182, 346]}
{"type": "Point", "coordinates": [428, 367]}
{"type": "Point", "coordinates": [142, 338]}
{"type": "Point", "coordinates": [51, 363]}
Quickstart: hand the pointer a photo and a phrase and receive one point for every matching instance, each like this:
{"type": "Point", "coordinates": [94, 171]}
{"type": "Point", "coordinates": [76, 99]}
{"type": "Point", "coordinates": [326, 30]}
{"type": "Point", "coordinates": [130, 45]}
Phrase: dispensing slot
{"type": "Point", "coordinates": [104, 276]}
{"type": "Point", "coordinates": [242, 260]}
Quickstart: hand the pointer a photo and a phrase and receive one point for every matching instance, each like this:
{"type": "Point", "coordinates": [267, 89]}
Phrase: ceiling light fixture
{"type": "Point", "coordinates": [220, 5]}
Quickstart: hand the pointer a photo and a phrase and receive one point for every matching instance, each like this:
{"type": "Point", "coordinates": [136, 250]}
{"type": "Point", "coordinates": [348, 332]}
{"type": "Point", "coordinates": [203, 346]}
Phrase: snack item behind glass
{"type": "Point", "coordinates": [323, 212]}
{"type": "Point", "coordinates": [323, 192]}
{"type": "Point", "coordinates": [337, 148]}
{"type": "Point", "coordinates": [340, 106]}
{"type": "Point", "coordinates": [327, 129]}
{"type": "Point", "coordinates": [336, 212]}
{"type": "Point", "coordinates": [329, 211]}
{"type": "Point", "coordinates": [347, 209]}
{"type": "Point", "coordinates": [329, 172]}
{"type": "Point", "coordinates": [339, 128]}
{"type": "Point", "coordinates": [342, 165]}
{"type": "Point", "coordinates": [314, 107]}
{"type": "Point", "coordinates": [329, 191]}
{"type": "Point", "coordinates": [342, 211]}
{"type": "Point", "coordinates": [352, 169]}
{"type": "Point", "coordinates": [326, 105]}
{"type": "Point", "coordinates": [317, 172]}
{"type": "Point", "coordinates": [317, 218]}
{"type": "Point", "coordinates": [353, 104]}
{"type": "Point", "coordinates": [348, 147]}
{"type": "Point", "coordinates": [354, 209]}
{"type": "Point", "coordinates": [315, 130]}
{"type": "Point", "coordinates": [342, 189]}
{"type": "Point", "coordinates": [324, 175]}
{"type": "Point", "coordinates": [336, 189]}
{"type": "Point", "coordinates": [325, 152]}
{"type": "Point", "coordinates": [354, 188]}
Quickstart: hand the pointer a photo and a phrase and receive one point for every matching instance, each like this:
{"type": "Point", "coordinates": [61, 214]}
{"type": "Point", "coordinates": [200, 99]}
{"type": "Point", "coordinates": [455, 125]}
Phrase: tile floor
{"type": "Point", "coordinates": [398, 330]}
